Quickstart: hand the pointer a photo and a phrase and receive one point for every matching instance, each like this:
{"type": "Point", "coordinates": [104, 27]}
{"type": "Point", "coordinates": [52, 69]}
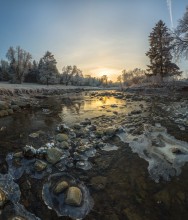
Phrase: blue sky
{"type": "Point", "coordinates": [99, 36]}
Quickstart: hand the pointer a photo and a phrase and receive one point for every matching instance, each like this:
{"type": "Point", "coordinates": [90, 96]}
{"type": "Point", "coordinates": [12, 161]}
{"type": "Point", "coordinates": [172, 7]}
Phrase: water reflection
{"type": "Point", "coordinates": [76, 110]}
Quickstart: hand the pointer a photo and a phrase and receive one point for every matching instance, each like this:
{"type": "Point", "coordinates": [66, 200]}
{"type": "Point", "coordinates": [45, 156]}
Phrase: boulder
{"type": "Point", "coordinates": [74, 196]}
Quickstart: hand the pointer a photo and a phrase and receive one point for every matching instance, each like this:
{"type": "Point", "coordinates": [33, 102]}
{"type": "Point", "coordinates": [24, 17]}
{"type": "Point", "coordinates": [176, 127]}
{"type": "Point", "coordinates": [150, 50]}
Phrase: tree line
{"type": "Point", "coordinates": [19, 68]}
{"type": "Point", "coordinates": [165, 45]}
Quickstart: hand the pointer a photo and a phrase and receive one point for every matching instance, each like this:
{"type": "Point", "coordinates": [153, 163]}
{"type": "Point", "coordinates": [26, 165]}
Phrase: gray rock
{"type": "Point", "coordinates": [53, 155]}
{"type": "Point", "coordinates": [74, 196]}
{"type": "Point", "coordinates": [176, 150]}
{"type": "Point", "coordinates": [64, 145]}
{"type": "Point", "coordinates": [15, 108]}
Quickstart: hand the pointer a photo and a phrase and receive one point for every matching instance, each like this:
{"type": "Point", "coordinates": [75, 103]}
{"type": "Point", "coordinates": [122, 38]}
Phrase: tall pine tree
{"type": "Point", "coordinates": [160, 52]}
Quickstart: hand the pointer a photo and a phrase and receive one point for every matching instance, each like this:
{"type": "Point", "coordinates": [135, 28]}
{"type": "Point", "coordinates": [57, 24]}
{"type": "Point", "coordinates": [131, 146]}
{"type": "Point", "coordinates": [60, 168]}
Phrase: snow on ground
{"type": "Point", "coordinates": [6, 85]}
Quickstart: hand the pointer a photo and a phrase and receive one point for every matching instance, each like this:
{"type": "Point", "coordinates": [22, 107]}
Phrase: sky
{"type": "Point", "coordinates": [101, 37]}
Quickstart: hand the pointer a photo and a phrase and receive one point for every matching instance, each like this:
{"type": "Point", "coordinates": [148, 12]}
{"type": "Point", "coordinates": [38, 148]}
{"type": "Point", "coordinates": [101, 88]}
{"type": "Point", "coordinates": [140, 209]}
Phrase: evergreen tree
{"type": "Point", "coordinates": [33, 73]}
{"type": "Point", "coordinates": [48, 73]}
{"type": "Point", "coordinates": [160, 52]}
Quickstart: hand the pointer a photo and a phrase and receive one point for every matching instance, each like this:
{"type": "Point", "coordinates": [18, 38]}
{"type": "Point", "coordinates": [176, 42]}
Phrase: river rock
{"type": "Point", "coordinates": [18, 154]}
{"type": "Point", "coordinates": [77, 126]}
{"type": "Point", "coordinates": [3, 113]}
{"type": "Point", "coordinates": [86, 122]}
{"type": "Point", "coordinates": [176, 150]}
{"type": "Point", "coordinates": [29, 151]}
{"type": "Point", "coordinates": [15, 108]}
{"type": "Point", "coordinates": [61, 187]}
{"type": "Point", "coordinates": [110, 131]}
{"type": "Point", "coordinates": [61, 137]}
{"type": "Point", "coordinates": [40, 165]}
{"type": "Point", "coordinates": [74, 196]}
{"type": "Point", "coordinates": [3, 105]}
{"type": "Point", "coordinates": [3, 197]}
{"type": "Point", "coordinates": [63, 128]}
{"type": "Point", "coordinates": [10, 111]}
{"type": "Point", "coordinates": [64, 145]}
{"type": "Point", "coordinates": [53, 155]}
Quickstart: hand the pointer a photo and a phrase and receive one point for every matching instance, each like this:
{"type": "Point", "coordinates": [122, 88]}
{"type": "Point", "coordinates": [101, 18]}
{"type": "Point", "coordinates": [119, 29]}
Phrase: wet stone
{"type": "Point", "coordinates": [61, 187]}
{"type": "Point", "coordinates": [18, 155]}
{"type": "Point", "coordinates": [61, 137]}
{"type": "Point", "coordinates": [53, 155]}
{"type": "Point", "coordinates": [64, 145]}
{"type": "Point", "coordinates": [40, 165]}
{"type": "Point", "coordinates": [176, 150]}
{"type": "Point", "coordinates": [3, 197]}
{"type": "Point", "coordinates": [29, 151]}
{"type": "Point", "coordinates": [74, 196]}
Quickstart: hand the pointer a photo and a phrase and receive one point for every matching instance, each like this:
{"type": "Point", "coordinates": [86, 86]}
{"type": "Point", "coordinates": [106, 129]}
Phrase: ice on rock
{"type": "Point", "coordinates": [13, 194]}
{"type": "Point", "coordinates": [57, 202]}
{"type": "Point", "coordinates": [109, 147]}
{"type": "Point", "coordinates": [165, 154]}
{"type": "Point", "coordinates": [11, 188]}
{"type": "Point", "coordinates": [84, 165]}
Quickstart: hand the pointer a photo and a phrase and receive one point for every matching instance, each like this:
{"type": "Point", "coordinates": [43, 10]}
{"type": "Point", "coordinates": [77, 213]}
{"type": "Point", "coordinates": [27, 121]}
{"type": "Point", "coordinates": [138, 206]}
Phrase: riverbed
{"type": "Point", "coordinates": [119, 178]}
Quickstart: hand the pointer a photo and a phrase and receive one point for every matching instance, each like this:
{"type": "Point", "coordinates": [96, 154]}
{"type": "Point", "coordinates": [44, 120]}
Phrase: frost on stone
{"type": "Point", "coordinates": [26, 166]}
{"type": "Point", "coordinates": [11, 188]}
{"type": "Point", "coordinates": [22, 212]}
{"type": "Point", "coordinates": [109, 147]}
{"type": "Point", "coordinates": [13, 194]}
{"type": "Point", "coordinates": [165, 154]}
{"type": "Point", "coordinates": [84, 165]}
{"type": "Point", "coordinates": [57, 201]}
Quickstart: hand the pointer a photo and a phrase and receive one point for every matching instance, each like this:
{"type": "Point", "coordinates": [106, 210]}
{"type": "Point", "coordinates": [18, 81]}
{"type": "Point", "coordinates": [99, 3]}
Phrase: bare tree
{"type": "Point", "coordinates": [19, 63]}
{"type": "Point", "coordinates": [181, 37]}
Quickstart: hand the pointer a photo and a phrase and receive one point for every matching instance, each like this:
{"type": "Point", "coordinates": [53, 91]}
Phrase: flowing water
{"type": "Point", "coordinates": [118, 182]}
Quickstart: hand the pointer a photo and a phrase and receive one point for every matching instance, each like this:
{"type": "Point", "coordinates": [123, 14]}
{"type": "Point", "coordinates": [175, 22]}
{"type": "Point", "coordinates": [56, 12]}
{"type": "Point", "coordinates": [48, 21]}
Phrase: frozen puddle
{"type": "Point", "coordinates": [165, 154]}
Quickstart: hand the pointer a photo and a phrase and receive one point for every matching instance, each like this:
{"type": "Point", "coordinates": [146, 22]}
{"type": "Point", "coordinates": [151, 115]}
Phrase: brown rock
{"type": "Point", "coordinates": [74, 196]}
{"type": "Point", "coordinates": [61, 187]}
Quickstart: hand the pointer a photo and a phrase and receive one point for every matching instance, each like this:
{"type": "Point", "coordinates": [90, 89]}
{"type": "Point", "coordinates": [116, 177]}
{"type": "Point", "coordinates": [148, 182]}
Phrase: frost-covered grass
{"type": "Point", "coordinates": [6, 85]}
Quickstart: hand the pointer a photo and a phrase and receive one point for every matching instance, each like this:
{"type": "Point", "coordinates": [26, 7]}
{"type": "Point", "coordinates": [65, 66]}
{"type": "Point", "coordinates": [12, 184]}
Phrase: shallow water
{"type": "Point", "coordinates": [128, 193]}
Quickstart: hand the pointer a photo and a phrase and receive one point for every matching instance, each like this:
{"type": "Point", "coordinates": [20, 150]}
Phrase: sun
{"type": "Point", "coordinates": [111, 73]}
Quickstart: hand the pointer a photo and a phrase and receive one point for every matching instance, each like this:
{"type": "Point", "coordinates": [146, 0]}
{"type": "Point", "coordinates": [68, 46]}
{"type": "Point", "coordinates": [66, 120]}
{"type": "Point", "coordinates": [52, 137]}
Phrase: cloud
{"type": "Point", "coordinates": [169, 4]}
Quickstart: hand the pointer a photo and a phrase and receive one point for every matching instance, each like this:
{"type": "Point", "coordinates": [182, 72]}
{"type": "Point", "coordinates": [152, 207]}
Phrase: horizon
{"type": "Point", "coordinates": [99, 37]}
